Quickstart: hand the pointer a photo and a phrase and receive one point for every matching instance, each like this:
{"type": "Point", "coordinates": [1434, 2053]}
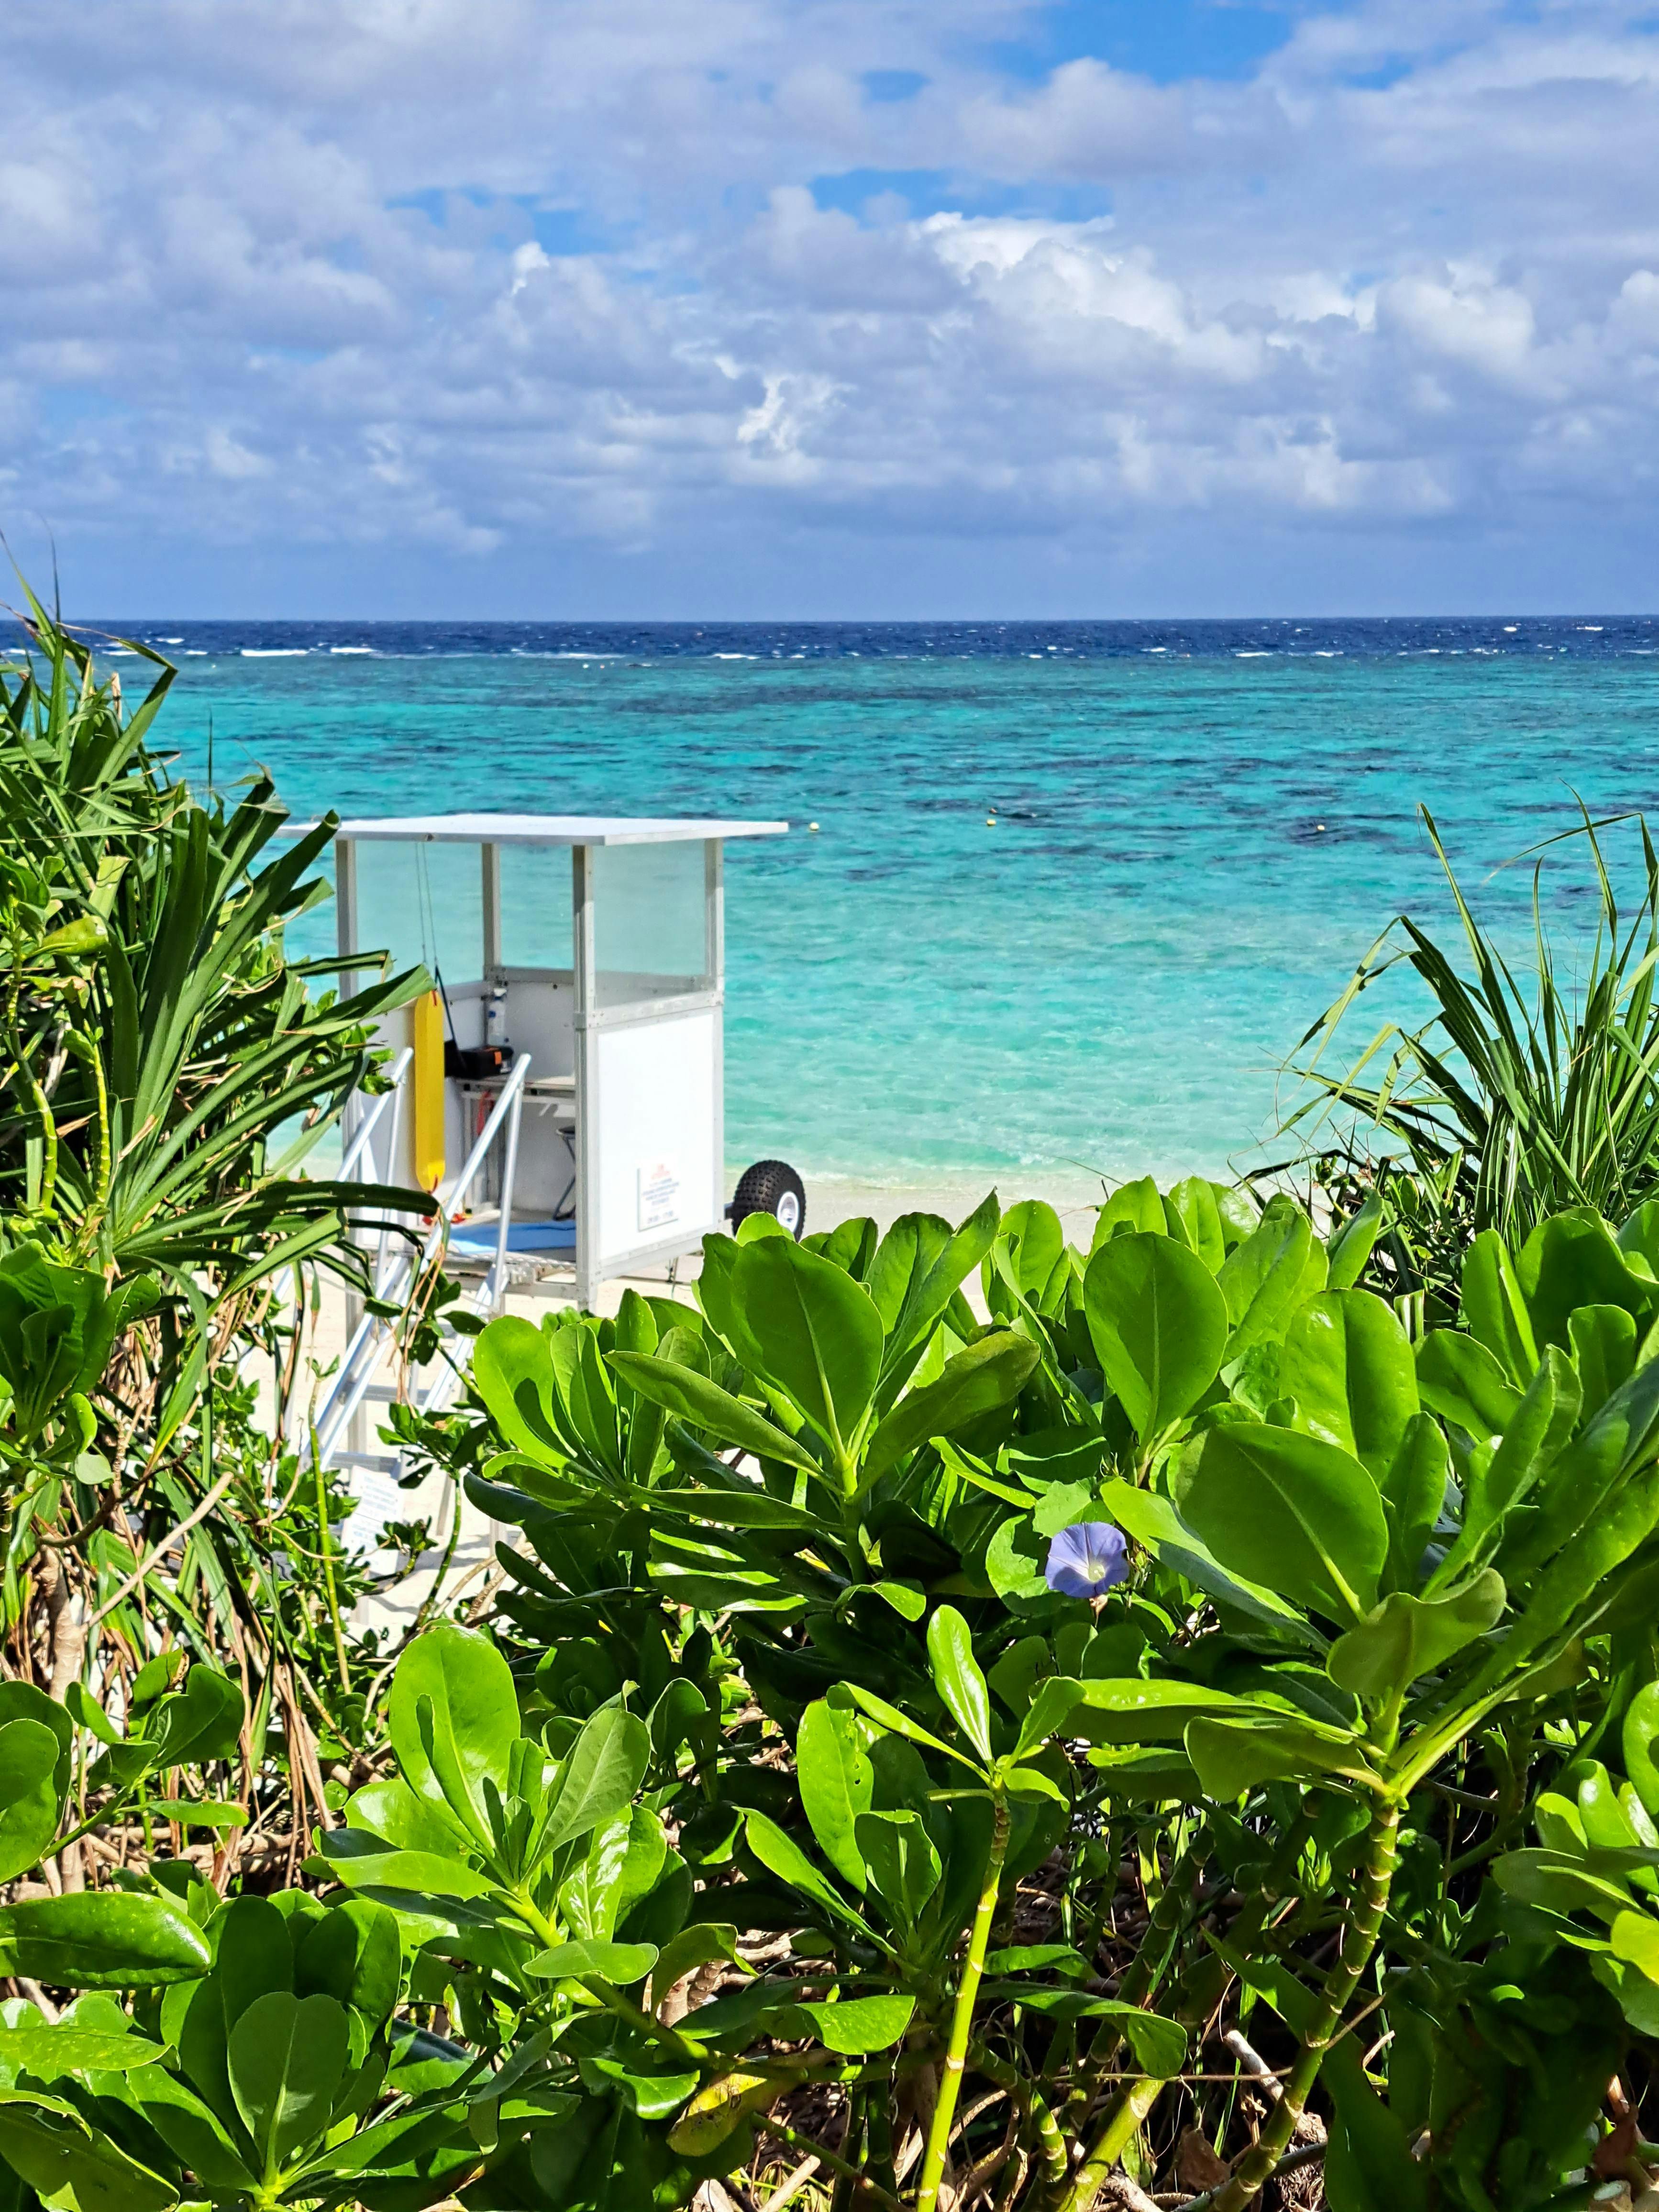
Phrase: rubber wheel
{"type": "Point", "coordinates": [771, 1187]}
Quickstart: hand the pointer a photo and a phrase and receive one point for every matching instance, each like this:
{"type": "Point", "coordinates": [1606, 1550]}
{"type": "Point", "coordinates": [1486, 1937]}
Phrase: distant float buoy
{"type": "Point", "coordinates": [811, 825]}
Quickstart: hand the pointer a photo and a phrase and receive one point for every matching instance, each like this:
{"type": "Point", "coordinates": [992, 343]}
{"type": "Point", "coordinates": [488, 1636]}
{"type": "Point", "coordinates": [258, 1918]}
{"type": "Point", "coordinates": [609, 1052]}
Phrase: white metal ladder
{"type": "Point", "coordinates": [399, 1264]}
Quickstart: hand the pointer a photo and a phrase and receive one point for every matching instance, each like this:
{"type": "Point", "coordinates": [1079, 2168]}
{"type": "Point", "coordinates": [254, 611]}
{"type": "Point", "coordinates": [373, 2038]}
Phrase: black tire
{"type": "Point", "coordinates": [771, 1187]}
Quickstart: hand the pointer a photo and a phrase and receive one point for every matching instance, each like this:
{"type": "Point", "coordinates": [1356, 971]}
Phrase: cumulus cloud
{"type": "Point", "coordinates": [486, 282]}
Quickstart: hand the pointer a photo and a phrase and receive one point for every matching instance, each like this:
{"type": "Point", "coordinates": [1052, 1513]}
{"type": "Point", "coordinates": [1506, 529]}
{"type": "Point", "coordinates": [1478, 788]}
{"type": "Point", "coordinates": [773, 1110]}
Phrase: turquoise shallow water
{"type": "Point", "coordinates": [1193, 845]}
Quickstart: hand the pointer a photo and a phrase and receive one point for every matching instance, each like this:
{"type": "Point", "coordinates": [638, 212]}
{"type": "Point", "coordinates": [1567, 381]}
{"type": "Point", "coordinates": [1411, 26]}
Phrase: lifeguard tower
{"type": "Point", "coordinates": [562, 1094]}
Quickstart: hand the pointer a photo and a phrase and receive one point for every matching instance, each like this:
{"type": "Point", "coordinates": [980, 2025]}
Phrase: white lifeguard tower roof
{"type": "Point", "coordinates": [551, 829]}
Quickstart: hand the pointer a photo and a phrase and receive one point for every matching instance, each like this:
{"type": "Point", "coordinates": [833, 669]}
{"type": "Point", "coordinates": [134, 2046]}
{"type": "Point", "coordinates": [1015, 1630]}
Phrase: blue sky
{"type": "Point", "coordinates": [825, 307]}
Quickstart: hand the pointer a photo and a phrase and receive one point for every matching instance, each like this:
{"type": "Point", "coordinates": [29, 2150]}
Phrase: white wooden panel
{"type": "Point", "coordinates": [656, 1091]}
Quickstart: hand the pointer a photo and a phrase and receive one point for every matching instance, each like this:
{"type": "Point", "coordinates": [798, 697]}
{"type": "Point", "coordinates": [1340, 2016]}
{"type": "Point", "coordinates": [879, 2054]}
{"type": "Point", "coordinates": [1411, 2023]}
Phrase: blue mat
{"type": "Point", "coordinates": [522, 1237]}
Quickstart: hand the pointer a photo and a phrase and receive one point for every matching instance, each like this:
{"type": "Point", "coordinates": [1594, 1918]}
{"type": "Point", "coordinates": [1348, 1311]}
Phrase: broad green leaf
{"type": "Point", "coordinates": [1349, 1245]}
{"type": "Point", "coordinates": [1569, 1262]}
{"type": "Point", "coordinates": [901, 1862]}
{"type": "Point", "coordinates": [69, 2162]}
{"type": "Point", "coordinates": [1559, 1884]}
{"type": "Point", "coordinates": [620, 1963]}
{"type": "Point", "coordinates": [899, 1722]}
{"type": "Point", "coordinates": [810, 1331]}
{"type": "Point", "coordinates": [1619, 1438]}
{"type": "Point", "coordinates": [1049, 1712]}
{"type": "Point", "coordinates": [1266, 1278]}
{"type": "Point", "coordinates": [621, 1864]}
{"type": "Point", "coordinates": [1408, 1636]}
{"type": "Point", "coordinates": [1129, 1709]}
{"type": "Point", "coordinates": [1639, 1737]}
{"type": "Point", "coordinates": [23, 1701]}
{"type": "Point", "coordinates": [1603, 1350]}
{"type": "Point", "coordinates": [782, 1856]}
{"type": "Point", "coordinates": [29, 1795]}
{"type": "Point", "coordinates": [1160, 1326]}
{"type": "Point", "coordinates": [854, 2024]}
{"type": "Point", "coordinates": [1540, 1425]}
{"type": "Point", "coordinates": [1348, 1364]}
{"type": "Point", "coordinates": [252, 1954]}
{"type": "Point", "coordinates": [354, 1953]}
{"type": "Point", "coordinates": [1133, 1206]}
{"type": "Point", "coordinates": [986, 1375]}
{"type": "Point", "coordinates": [1634, 1938]}
{"type": "Point", "coordinates": [391, 1810]}
{"type": "Point", "coordinates": [1032, 1230]}
{"type": "Point", "coordinates": [1414, 1490]}
{"type": "Point", "coordinates": [597, 1775]}
{"type": "Point", "coordinates": [917, 1269]}
{"type": "Point", "coordinates": [835, 1780]}
{"type": "Point", "coordinates": [203, 1722]}
{"type": "Point", "coordinates": [1495, 1311]}
{"type": "Point", "coordinates": [1462, 1382]}
{"type": "Point", "coordinates": [698, 1945]}
{"type": "Point", "coordinates": [453, 1719]}
{"type": "Point", "coordinates": [1230, 1755]}
{"type": "Point", "coordinates": [694, 1397]}
{"type": "Point", "coordinates": [512, 1371]}
{"type": "Point", "coordinates": [1289, 1511]}
{"type": "Point", "coordinates": [1194, 1219]}
{"type": "Point", "coordinates": [288, 2058]}
{"type": "Point", "coordinates": [1152, 1519]}
{"type": "Point", "coordinates": [48, 2049]}
{"type": "Point", "coordinates": [101, 1939]}
{"type": "Point", "coordinates": [957, 1678]}
{"type": "Point", "coordinates": [1369, 2167]}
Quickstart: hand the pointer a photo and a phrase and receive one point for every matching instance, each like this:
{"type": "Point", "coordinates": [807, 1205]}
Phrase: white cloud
{"type": "Point", "coordinates": [410, 273]}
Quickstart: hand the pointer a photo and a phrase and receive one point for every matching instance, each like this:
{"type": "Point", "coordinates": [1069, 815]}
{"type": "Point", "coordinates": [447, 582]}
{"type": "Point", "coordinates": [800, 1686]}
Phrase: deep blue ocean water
{"type": "Point", "coordinates": [1199, 828]}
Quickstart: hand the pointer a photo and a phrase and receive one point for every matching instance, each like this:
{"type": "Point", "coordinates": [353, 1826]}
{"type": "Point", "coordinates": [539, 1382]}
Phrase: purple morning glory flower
{"type": "Point", "coordinates": [1087, 1560]}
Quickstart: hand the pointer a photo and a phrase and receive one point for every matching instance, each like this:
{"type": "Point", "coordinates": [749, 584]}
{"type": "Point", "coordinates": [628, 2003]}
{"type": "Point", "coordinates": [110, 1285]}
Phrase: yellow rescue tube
{"type": "Point", "coordinates": [427, 1116]}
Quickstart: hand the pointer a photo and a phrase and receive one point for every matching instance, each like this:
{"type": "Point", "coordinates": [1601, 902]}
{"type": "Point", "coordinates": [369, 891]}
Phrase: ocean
{"type": "Point", "coordinates": [1076, 889]}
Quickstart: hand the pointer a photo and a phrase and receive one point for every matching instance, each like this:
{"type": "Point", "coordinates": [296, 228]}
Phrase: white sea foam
{"type": "Point", "coordinates": [275, 652]}
{"type": "Point", "coordinates": [1253, 653]}
{"type": "Point", "coordinates": [351, 648]}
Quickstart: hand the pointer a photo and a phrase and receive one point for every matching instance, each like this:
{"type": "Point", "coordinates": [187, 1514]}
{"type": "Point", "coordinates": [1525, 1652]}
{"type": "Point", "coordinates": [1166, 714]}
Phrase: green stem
{"type": "Point", "coordinates": [326, 1541]}
{"type": "Point", "coordinates": [1139, 1983]}
{"type": "Point", "coordinates": [1123, 2123]}
{"type": "Point", "coordinates": [1358, 1941]}
{"type": "Point", "coordinates": [962, 2023]}
{"type": "Point", "coordinates": [1051, 2144]}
